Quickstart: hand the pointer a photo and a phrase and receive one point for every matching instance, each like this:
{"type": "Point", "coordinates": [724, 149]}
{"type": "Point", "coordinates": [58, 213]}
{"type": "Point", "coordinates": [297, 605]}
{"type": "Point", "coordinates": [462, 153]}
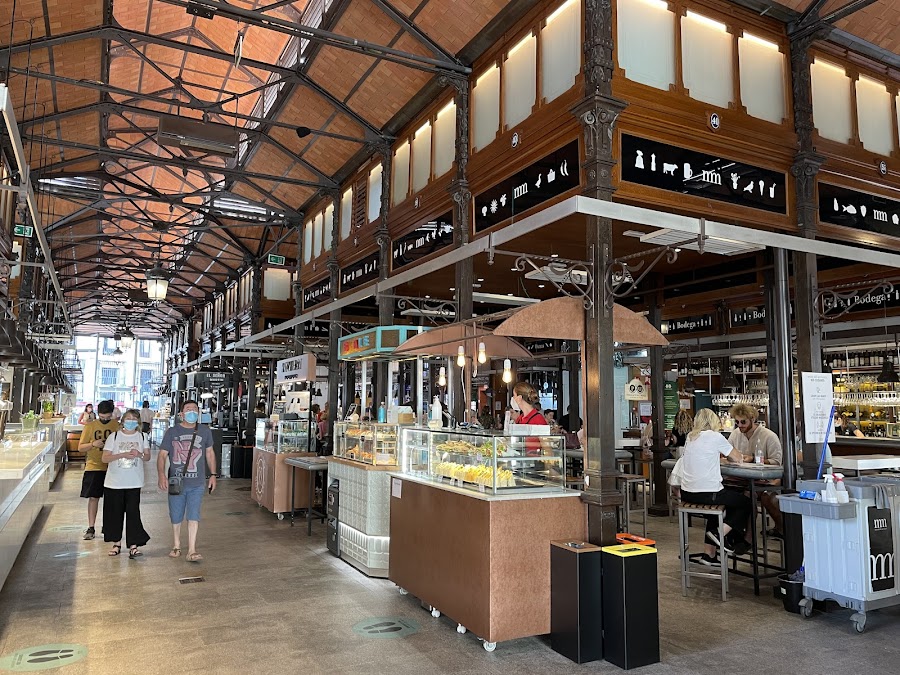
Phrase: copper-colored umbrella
{"type": "Point", "coordinates": [446, 341]}
{"type": "Point", "coordinates": [563, 319]}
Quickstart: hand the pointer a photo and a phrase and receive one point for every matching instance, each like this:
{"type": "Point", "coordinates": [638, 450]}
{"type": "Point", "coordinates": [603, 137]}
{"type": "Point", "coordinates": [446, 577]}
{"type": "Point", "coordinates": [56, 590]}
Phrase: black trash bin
{"type": "Point", "coordinates": [237, 461]}
{"type": "Point", "coordinates": [576, 610]}
{"type": "Point", "coordinates": [791, 593]}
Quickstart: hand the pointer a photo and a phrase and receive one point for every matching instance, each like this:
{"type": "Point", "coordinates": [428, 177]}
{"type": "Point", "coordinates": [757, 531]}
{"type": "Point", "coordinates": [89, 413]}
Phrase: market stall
{"type": "Point", "coordinates": [23, 490]}
{"type": "Point", "coordinates": [276, 441]}
{"type": "Point", "coordinates": [471, 520]}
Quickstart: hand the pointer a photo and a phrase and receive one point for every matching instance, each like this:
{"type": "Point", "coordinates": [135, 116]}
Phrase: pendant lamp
{"type": "Point", "coordinates": [888, 373]}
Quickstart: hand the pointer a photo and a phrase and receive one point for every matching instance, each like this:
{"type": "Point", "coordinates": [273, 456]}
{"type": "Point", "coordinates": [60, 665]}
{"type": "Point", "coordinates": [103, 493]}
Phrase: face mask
{"type": "Point", "coordinates": [190, 417]}
{"type": "Point", "coordinates": [103, 421]}
{"type": "Point", "coordinates": [130, 425]}
{"type": "Point", "coordinates": [515, 405]}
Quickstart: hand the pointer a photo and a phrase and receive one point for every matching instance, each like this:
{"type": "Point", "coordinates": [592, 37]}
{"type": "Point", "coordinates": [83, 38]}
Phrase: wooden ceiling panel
{"type": "Point", "coordinates": [270, 160]}
{"type": "Point", "coordinates": [452, 24]}
{"type": "Point", "coordinates": [364, 20]}
{"type": "Point", "coordinates": [386, 90]}
{"type": "Point", "coordinates": [164, 19]}
{"type": "Point", "coordinates": [329, 156]}
{"type": "Point", "coordinates": [878, 23]}
{"type": "Point", "coordinates": [338, 70]}
{"type": "Point", "coordinates": [66, 17]}
{"type": "Point", "coordinates": [293, 195]}
{"type": "Point", "coordinates": [306, 108]}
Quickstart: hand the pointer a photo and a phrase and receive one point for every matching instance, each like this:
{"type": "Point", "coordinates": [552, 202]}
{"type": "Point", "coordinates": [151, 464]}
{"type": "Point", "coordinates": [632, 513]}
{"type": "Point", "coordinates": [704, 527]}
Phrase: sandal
{"type": "Point", "coordinates": [175, 553]}
{"type": "Point", "coordinates": [133, 552]}
{"type": "Point", "coordinates": [194, 557]}
{"type": "Point", "coordinates": [116, 550]}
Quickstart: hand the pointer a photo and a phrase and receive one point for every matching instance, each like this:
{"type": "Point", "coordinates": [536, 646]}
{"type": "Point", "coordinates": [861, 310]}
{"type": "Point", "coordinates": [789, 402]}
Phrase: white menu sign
{"type": "Point", "coordinates": [817, 391]}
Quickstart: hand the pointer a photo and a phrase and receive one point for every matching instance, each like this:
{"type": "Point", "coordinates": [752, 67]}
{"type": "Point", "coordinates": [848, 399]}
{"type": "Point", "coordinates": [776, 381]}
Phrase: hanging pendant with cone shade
{"type": "Point", "coordinates": [888, 373]}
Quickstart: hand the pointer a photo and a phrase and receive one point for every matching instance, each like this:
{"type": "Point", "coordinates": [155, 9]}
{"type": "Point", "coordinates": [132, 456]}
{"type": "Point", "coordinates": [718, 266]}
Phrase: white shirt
{"type": "Point", "coordinates": [762, 436]}
{"type": "Point", "coordinates": [126, 472]}
{"type": "Point", "coordinates": [147, 415]}
{"type": "Point", "coordinates": [700, 462]}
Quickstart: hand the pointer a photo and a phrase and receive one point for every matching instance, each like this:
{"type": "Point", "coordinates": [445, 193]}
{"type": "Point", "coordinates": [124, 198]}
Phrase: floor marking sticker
{"type": "Point", "coordinates": [386, 627]}
{"type": "Point", "coordinates": [43, 657]}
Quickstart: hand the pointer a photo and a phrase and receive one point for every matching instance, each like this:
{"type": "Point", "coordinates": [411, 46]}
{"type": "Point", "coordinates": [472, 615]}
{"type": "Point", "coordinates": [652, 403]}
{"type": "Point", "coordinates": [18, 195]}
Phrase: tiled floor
{"type": "Point", "coordinates": [274, 601]}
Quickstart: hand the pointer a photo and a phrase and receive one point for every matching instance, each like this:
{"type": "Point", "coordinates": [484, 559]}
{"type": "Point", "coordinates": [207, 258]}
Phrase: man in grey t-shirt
{"type": "Point", "coordinates": [189, 448]}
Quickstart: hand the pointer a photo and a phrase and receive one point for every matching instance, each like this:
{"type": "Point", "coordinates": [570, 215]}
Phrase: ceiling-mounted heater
{"type": "Point", "coordinates": [214, 139]}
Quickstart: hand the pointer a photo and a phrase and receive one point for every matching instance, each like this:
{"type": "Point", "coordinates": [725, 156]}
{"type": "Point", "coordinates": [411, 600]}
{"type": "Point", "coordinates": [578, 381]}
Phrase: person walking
{"type": "Point", "coordinates": [125, 452]}
{"type": "Point", "coordinates": [146, 417]}
{"type": "Point", "coordinates": [188, 447]}
{"type": "Point", "coordinates": [93, 439]}
{"type": "Point", "coordinates": [87, 415]}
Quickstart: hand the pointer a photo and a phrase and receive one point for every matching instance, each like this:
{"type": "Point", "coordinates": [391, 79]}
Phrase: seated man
{"type": "Point", "coordinates": [749, 436]}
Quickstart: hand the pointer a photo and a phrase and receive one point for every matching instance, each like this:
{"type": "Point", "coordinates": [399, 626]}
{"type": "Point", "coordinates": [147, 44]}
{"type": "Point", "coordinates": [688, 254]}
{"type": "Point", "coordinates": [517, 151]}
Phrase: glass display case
{"type": "Point", "coordinates": [367, 442]}
{"type": "Point", "coordinates": [283, 436]}
{"type": "Point", "coordinates": [485, 462]}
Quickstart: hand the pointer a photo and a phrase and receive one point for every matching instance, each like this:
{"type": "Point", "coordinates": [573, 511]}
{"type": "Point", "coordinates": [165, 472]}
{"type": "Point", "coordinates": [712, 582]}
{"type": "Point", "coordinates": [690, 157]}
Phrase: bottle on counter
{"type": "Point", "coordinates": [759, 455]}
{"type": "Point", "coordinates": [382, 413]}
{"type": "Point", "coordinates": [829, 494]}
{"type": "Point", "coordinates": [840, 490]}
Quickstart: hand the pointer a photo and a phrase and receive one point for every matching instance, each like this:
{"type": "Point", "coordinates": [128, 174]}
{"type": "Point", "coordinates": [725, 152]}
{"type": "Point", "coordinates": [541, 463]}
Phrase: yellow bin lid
{"type": "Point", "coordinates": [628, 550]}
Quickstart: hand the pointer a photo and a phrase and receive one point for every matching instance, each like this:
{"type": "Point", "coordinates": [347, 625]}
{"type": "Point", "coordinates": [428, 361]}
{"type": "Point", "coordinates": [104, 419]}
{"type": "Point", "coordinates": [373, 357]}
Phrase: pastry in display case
{"type": "Point", "coordinates": [367, 442]}
{"type": "Point", "coordinates": [485, 462]}
{"type": "Point", "coordinates": [283, 436]}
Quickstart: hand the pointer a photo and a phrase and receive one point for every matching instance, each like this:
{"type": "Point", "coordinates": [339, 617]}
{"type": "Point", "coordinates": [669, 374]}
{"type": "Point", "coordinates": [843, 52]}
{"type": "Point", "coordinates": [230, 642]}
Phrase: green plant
{"type": "Point", "coordinates": [30, 415]}
{"type": "Point", "coordinates": [47, 406]}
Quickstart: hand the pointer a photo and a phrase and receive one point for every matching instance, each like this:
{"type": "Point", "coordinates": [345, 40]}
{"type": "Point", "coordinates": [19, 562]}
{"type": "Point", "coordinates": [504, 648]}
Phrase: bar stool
{"type": "Point", "coordinates": [685, 511]}
{"type": "Point", "coordinates": [631, 481]}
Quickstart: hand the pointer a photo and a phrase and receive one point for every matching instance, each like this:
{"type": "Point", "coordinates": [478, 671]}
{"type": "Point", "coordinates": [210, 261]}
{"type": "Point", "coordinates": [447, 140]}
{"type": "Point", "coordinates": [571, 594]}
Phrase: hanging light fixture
{"type": "Point", "coordinates": [482, 354]}
{"type": "Point", "coordinates": [442, 377]}
{"type": "Point", "coordinates": [157, 283]}
{"type": "Point", "coordinates": [157, 278]}
{"type": "Point", "coordinates": [127, 338]}
{"type": "Point", "coordinates": [730, 381]}
{"type": "Point", "coordinates": [507, 371]}
{"type": "Point", "coordinates": [461, 357]}
{"type": "Point", "coordinates": [888, 374]}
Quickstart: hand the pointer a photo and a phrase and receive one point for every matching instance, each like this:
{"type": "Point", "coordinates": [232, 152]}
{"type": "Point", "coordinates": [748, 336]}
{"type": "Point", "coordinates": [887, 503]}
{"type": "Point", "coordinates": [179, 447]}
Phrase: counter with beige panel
{"type": "Point", "coordinates": [471, 521]}
{"type": "Point", "coordinates": [23, 491]}
{"type": "Point", "coordinates": [364, 453]}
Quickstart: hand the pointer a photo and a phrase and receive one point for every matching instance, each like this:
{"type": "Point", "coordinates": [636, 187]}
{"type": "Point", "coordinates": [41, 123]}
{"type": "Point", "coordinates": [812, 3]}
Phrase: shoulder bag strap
{"type": "Point", "coordinates": [187, 462]}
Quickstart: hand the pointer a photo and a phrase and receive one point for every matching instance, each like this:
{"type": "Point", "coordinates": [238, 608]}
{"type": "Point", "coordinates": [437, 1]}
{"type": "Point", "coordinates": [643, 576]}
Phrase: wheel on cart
{"type": "Point", "coordinates": [859, 622]}
{"type": "Point", "coordinates": [435, 613]}
{"type": "Point", "coordinates": [280, 516]}
{"type": "Point", "coordinates": [461, 629]}
{"type": "Point", "coordinates": [806, 607]}
{"type": "Point", "coordinates": [403, 591]}
{"type": "Point", "coordinates": [489, 646]}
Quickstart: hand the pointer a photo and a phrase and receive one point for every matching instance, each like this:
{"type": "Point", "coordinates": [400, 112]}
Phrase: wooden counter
{"type": "Point", "coordinates": [271, 484]}
{"type": "Point", "coordinates": [484, 561]}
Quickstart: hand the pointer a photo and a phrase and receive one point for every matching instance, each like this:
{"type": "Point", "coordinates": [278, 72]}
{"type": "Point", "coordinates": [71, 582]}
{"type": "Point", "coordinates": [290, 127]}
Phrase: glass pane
{"type": "Point", "coordinates": [486, 106]}
{"type": "Point", "coordinates": [307, 242]}
{"type": "Point", "coordinates": [374, 203]}
{"type": "Point", "coordinates": [421, 157]}
{"type": "Point", "coordinates": [873, 106]}
{"type": "Point", "coordinates": [762, 78]}
{"type": "Point", "coordinates": [561, 50]}
{"type": "Point", "coordinates": [646, 42]}
{"type": "Point", "coordinates": [519, 81]}
{"type": "Point", "coordinates": [400, 173]}
{"type": "Point", "coordinates": [317, 235]}
{"type": "Point", "coordinates": [444, 140]}
{"type": "Point", "coordinates": [831, 101]}
{"type": "Point", "coordinates": [346, 212]}
{"type": "Point", "coordinates": [328, 234]}
{"type": "Point", "coordinates": [706, 57]}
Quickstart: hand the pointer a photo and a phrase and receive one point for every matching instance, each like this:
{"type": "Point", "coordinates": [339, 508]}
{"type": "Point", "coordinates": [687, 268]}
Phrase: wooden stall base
{"type": "Point", "coordinates": [483, 563]}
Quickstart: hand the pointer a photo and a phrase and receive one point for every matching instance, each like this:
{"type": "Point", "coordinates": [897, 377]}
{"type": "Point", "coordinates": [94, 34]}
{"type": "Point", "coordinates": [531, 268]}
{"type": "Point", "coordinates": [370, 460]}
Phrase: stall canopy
{"type": "Point", "coordinates": [446, 341]}
{"type": "Point", "coordinates": [563, 319]}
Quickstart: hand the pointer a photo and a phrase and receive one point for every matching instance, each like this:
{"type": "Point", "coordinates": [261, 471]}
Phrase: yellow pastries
{"type": "Point", "coordinates": [479, 474]}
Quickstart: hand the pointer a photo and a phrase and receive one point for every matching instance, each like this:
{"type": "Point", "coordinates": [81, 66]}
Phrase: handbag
{"type": "Point", "coordinates": [176, 482]}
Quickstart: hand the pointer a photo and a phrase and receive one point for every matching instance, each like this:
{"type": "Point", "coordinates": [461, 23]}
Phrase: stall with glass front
{"type": "Point", "coordinates": [276, 441]}
{"type": "Point", "coordinates": [471, 513]}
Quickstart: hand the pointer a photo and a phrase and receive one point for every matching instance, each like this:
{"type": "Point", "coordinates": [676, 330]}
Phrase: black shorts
{"type": "Point", "coordinates": [145, 427]}
{"type": "Point", "coordinates": [92, 484]}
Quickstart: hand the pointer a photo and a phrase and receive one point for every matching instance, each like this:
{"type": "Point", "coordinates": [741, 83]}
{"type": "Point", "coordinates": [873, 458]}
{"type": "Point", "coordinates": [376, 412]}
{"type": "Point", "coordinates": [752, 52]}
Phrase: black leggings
{"type": "Point", "coordinates": [123, 505]}
{"type": "Point", "coordinates": [737, 508]}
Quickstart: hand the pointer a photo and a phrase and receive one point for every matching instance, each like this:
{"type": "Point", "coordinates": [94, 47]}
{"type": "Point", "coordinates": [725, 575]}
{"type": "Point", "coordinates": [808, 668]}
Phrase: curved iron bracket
{"type": "Point", "coordinates": [833, 303]}
{"type": "Point", "coordinates": [434, 310]}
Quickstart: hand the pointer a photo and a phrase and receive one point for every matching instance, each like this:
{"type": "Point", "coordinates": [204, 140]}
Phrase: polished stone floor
{"type": "Point", "coordinates": [274, 601]}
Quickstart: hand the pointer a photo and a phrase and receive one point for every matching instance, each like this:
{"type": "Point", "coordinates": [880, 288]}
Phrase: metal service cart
{"type": "Point", "coordinates": [850, 549]}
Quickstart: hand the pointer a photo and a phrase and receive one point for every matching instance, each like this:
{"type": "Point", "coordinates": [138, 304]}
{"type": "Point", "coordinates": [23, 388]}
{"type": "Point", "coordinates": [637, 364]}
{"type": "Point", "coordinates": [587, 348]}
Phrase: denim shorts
{"type": "Point", "coordinates": [189, 500]}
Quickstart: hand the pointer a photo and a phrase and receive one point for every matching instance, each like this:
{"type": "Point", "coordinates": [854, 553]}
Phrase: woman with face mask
{"type": "Point", "coordinates": [125, 452]}
{"type": "Point", "coordinates": [525, 401]}
{"type": "Point", "coordinates": [88, 415]}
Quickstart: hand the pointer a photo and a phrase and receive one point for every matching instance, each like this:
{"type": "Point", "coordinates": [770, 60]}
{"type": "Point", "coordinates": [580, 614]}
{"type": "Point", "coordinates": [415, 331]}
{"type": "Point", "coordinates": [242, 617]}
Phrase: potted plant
{"type": "Point", "coordinates": [47, 410]}
{"type": "Point", "coordinates": [29, 421]}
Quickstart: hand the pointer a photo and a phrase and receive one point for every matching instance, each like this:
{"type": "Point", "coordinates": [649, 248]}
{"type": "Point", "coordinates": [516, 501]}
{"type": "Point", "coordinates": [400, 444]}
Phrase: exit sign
{"type": "Point", "coordinates": [276, 259]}
{"type": "Point", "coordinates": [28, 230]}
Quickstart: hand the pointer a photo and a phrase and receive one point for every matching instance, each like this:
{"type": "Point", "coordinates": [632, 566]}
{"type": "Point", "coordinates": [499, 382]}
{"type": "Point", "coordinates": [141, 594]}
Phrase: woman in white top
{"type": "Point", "coordinates": [125, 452]}
{"type": "Point", "coordinates": [701, 483]}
